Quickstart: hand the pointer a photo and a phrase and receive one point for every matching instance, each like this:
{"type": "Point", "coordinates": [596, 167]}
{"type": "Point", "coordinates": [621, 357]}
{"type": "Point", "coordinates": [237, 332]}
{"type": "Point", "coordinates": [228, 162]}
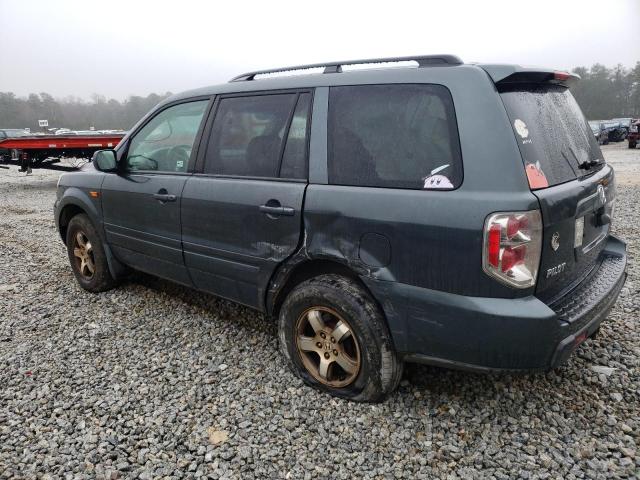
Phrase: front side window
{"type": "Point", "coordinates": [247, 135]}
{"type": "Point", "coordinates": [394, 136]}
{"type": "Point", "coordinates": [164, 144]}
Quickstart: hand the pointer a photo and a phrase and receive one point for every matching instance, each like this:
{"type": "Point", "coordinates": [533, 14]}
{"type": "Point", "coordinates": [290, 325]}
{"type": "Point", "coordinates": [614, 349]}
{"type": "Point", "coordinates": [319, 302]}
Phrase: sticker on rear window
{"type": "Point", "coordinates": [437, 181]}
{"type": "Point", "coordinates": [535, 176]}
{"type": "Point", "coordinates": [521, 128]}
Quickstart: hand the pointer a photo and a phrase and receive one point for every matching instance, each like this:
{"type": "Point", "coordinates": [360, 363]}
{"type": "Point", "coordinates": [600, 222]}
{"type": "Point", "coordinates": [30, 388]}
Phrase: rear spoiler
{"type": "Point", "coordinates": [504, 75]}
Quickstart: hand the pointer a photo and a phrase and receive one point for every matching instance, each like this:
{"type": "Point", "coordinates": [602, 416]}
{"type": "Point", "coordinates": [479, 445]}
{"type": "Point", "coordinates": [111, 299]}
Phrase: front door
{"type": "Point", "coordinates": [141, 204]}
{"type": "Point", "coordinates": [242, 215]}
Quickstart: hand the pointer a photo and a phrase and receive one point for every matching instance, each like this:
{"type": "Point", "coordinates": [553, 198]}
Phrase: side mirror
{"type": "Point", "coordinates": [105, 160]}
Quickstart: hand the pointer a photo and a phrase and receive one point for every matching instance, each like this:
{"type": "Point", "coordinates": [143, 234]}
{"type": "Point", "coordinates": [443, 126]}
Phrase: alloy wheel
{"type": "Point", "coordinates": [83, 253]}
{"type": "Point", "coordinates": [328, 347]}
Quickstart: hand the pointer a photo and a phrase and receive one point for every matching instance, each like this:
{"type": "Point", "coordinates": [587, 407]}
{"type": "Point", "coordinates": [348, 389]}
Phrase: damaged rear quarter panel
{"type": "Point", "coordinates": [435, 241]}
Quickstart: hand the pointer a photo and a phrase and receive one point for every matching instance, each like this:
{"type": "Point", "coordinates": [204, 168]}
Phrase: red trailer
{"type": "Point", "coordinates": [45, 151]}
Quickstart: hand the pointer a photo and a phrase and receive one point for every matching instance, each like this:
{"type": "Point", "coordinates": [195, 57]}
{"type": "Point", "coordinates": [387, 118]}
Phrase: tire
{"type": "Point", "coordinates": [632, 144]}
{"type": "Point", "coordinates": [81, 231]}
{"type": "Point", "coordinates": [368, 342]}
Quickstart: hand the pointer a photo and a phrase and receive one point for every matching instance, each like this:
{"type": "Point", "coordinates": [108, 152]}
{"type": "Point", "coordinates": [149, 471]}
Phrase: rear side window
{"type": "Point", "coordinates": [552, 133]}
{"type": "Point", "coordinates": [248, 134]}
{"type": "Point", "coordinates": [395, 136]}
{"type": "Point", "coordinates": [294, 160]}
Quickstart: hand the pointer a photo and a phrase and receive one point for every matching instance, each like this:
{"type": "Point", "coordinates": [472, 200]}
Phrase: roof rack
{"type": "Point", "coordinates": [336, 67]}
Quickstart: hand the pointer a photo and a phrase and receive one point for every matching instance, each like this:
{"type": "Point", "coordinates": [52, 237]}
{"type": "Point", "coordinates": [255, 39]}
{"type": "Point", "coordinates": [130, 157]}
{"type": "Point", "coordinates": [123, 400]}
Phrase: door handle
{"type": "Point", "coordinates": [164, 197]}
{"type": "Point", "coordinates": [273, 210]}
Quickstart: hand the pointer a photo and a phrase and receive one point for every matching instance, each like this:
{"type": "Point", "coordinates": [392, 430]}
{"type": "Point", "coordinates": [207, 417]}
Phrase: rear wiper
{"type": "Point", "coordinates": [588, 164]}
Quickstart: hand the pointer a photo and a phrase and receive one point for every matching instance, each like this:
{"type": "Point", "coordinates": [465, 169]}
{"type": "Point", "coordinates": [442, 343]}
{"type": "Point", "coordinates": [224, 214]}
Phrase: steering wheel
{"type": "Point", "coordinates": [179, 153]}
{"type": "Point", "coordinates": [151, 161]}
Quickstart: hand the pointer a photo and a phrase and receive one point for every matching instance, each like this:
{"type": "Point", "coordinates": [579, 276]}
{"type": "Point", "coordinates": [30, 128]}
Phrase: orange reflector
{"type": "Point", "coordinates": [94, 194]}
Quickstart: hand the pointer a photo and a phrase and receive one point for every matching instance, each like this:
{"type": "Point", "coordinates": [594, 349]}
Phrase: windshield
{"type": "Point", "coordinates": [554, 137]}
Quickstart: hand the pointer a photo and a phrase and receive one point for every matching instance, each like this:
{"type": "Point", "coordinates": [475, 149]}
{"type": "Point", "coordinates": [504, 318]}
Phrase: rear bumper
{"type": "Point", "coordinates": [500, 334]}
{"type": "Point", "coordinates": [583, 309]}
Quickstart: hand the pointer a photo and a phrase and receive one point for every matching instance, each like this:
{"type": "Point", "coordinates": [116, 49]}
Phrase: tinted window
{"type": "Point", "coordinates": [294, 161]}
{"type": "Point", "coordinates": [247, 135]}
{"type": "Point", "coordinates": [164, 144]}
{"type": "Point", "coordinates": [552, 133]}
{"type": "Point", "coordinates": [399, 136]}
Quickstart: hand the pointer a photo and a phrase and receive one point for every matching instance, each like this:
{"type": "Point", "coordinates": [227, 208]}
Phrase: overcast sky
{"type": "Point", "coordinates": [118, 48]}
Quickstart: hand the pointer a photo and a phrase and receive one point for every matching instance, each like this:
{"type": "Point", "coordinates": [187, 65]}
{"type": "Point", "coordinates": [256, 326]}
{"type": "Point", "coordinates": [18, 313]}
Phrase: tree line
{"type": "Point", "coordinates": [602, 93]}
{"type": "Point", "coordinates": [74, 113]}
{"type": "Point", "coordinates": [605, 93]}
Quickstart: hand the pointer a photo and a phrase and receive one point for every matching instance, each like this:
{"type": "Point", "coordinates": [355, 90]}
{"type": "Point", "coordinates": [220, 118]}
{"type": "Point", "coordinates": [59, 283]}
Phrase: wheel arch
{"type": "Point", "coordinates": [66, 214]}
{"type": "Point", "coordinates": [76, 202]}
{"type": "Point", "coordinates": [293, 273]}
{"type": "Point", "coordinates": [73, 202]}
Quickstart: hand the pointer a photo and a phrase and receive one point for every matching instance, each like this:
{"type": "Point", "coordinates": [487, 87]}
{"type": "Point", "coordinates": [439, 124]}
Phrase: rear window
{"type": "Point", "coordinates": [552, 133]}
{"type": "Point", "coordinates": [395, 136]}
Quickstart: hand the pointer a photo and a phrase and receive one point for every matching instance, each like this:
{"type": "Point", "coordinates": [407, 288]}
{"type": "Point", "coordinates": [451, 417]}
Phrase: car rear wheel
{"type": "Point", "coordinates": [87, 256]}
{"type": "Point", "coordinates": [335, 338]}
{"type": "Point", "coordinates": [632, 144]}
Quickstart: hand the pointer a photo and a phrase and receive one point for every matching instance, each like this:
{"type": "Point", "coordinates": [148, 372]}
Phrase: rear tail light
{"type": "Point", "coordinates": [512, 245]}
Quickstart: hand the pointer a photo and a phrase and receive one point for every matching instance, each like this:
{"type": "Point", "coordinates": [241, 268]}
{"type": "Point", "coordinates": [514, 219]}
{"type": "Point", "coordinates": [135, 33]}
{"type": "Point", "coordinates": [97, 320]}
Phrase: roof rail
{"type": "Point", "coordinates": [336, 67]}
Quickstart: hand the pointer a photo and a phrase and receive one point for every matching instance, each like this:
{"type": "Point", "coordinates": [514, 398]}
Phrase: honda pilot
{"type": "Point", "coordinates": [424, 210]}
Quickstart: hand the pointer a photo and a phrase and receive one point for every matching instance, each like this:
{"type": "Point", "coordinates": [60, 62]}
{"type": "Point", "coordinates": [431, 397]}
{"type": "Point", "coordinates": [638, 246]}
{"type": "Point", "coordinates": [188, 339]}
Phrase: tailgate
{"type": "Point", "coordinates": [576, 221]}
{"type": "Point", "coordinates": [567, 172]}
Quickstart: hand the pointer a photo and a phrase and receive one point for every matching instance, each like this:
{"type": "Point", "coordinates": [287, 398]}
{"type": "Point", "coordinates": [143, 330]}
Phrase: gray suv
{"type": "Point", "coordinates": [445, 213]}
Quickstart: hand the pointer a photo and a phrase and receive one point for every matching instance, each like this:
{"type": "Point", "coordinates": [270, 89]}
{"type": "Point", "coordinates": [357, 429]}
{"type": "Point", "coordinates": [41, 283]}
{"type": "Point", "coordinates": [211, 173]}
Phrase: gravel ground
{"type": "Point", "coordinates": [153, 380]}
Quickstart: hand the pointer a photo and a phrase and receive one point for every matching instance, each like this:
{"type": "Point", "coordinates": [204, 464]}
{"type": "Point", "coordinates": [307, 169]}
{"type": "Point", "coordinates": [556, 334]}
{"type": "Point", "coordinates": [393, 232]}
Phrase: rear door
{"type": "Point", "coordinates": [141, 203]}
{"type": "Point", "coordinates": [568, 174]}
{"type": "Point", "coordinates": [242, 213]}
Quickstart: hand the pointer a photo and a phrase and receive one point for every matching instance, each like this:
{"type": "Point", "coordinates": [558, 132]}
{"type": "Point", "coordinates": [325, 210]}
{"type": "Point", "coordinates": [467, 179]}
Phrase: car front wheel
{"type": "Point", "coordinates": [335, 338]}
{"type": "Point", "coordinates": [87, 256]}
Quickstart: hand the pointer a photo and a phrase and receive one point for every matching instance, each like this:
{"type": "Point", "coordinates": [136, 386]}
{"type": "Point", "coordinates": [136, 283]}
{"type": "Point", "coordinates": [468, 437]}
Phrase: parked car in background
{"type": "Point", "coordinates": [616, 131]}
{"type": "Point", "coordinates": [336, 202]}
{"type": "Point", "coordinates": [599, 131]}
{"type": "Point", "coordinates": [624, 122]}
{"type": "Point", "coordinates": [634, 133]}
{"type": "Point", "coordinates": [6, 154]}
{"type": "Point", "coordinates": [105, 132]}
